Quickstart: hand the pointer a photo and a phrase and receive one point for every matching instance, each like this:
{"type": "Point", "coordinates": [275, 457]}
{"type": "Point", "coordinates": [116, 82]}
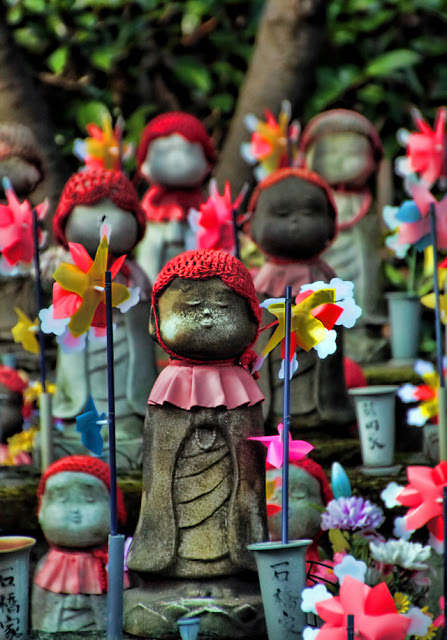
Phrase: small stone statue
{"type": "Point", "coordinates": [88, 198]}
{"type": "Point", "coordinates": [293, 221]}
{"type": "Point", "coordinates": [175, 156]}
{"type": "Point", "coordinates": [345, 149]}
{"type": "Point", "coordinates": [203, 482]}
{"type": "Point", "coordinates": [70, 582]}
{"type": "Point", "coordinates": [308, 486]}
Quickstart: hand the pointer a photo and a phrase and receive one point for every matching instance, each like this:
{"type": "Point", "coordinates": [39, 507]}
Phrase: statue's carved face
{"type": "Point", "coordinates": [174, 161]}
{"type": "Point", "coordinates": [204, 319]}
{"type": "Point", "coordinates": [304, 490]}
{"type": "Point", "coordinates": [84, 223]}
{"type": "Point", "coordinates": [292, 220]}
{"type": "Point", "coordinates": [342, 157]}
{"type": "Point", "coordinates": [75, 510]}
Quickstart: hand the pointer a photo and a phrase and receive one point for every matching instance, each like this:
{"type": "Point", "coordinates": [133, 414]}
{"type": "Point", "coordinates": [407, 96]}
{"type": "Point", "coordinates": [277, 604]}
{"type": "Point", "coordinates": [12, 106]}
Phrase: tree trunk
{"type": "Point", "coordinates": [21, 101]}
{"type": "Point", "coordinates": [288, 43]}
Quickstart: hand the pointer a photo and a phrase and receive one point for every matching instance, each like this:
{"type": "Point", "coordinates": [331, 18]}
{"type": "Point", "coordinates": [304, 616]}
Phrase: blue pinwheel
{"type": "Point", "coordinates": [89, 424]}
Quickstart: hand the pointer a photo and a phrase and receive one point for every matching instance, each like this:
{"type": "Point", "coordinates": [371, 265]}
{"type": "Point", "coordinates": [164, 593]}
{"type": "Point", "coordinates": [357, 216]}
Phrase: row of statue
{"type": "Point", "coordinates": [203, 495]}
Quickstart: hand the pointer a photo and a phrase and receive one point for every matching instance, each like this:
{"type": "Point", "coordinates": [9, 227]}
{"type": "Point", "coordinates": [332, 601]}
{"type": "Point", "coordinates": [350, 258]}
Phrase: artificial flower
{"type": "Point", "coordinates": [424, 496]}
{"type": "Point", "coordinates": [419, 622]}
{"type": "Point", "coordinates": [16, 228]}
{"type": "Point", "coordinates": [429, 300]}
{"type": "Point", "coordinates": [402, 602]}
{"type": "Point", "coordinates": [310, 633]}
{"type": "Point", "coordinates": [33, 392]}
{"type": "Point", "coordinates": [214, 223]}
{"type": "Point", "coordinates": [400, 529]}
{"type": "Point", "coordinates": [104, 147]}
{"type": "Point", "coordinates": [425, 149]}
{"type": "Point", "coordinates": [349, 566]}
{"type": "Point", "coordinates": [351, 514]}
{"type": "Point", "coordinates": [12, 379]}
{"type": "Point", "coordinates": [400, 553]}
{"type": "Point", "coordinates": [79, 290]}
{"type": "Point", "coordinates": [297, 448]}
{"type": "Point", "coordinates": [373, 608]}
{"type": "Point", "coordinates": [272, 142]}
{"type": "Point", "coordinates": [425, 394]}
{"type": "Point", "coordinates": [390, 493]}
{"type": "Point", "coordinates": [24, 332]}
{"type": "Point", "coordinates": [311, 596]}
{"type": "Point", "coordinates": [440, 620]}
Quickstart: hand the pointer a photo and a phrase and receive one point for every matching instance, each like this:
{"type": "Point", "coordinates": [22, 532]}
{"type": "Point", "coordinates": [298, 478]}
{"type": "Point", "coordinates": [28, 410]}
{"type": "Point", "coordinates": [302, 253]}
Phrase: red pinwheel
{"type": "Point", "coordinates": [423, 495]}
{"type": "Point", "coordinates": [426, 148]}
{"type": "Point", "coordinates": [373, 608]}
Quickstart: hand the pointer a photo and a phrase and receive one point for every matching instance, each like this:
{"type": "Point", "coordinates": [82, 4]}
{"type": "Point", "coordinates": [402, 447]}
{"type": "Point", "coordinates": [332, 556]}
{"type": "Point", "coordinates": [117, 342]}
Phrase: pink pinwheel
{"type": "Point", "coordinates": [214, 221]}
{"type": "Point", "coordinates": [426, 148]}
{"type": "Point", "coordinates": [423, 495]}
{"type": "Point", "coordinates": [297, 448]}
{"type": "Point", "coordinates": [373, 608]}
{"type": "Point", "coordinates": [16, 228]}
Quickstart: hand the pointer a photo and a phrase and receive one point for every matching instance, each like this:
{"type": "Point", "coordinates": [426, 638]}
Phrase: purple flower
{"type": "Point", "coordinates": [352, 514]}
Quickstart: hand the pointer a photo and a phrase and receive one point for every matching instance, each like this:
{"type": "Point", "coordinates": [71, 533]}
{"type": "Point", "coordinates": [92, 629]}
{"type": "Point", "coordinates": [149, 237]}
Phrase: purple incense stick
{"type": "Point", "coordinates": [438, 325]}
{"type": "Point", "coordinates": [43, 371]}
{"type": "Point", "coordinates": [286, 419]}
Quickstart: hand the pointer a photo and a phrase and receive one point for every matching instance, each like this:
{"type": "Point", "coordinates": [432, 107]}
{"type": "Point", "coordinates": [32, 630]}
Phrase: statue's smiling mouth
{"type": "Point", "coordinates": [76, 518]}
{"type": "Point", "coordinates": [206, 322]}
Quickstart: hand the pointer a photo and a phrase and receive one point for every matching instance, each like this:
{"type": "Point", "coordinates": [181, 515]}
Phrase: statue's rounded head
{"type": "Point", "coordinates": [175, 151]}
{"type": "Point", "coordinates": [20, 158]}
{"type": "Point", "coordinates": [293, 215]}
{"type": "Point", "coordinates": [90, 196]}
{"type": "Point", "coordinates": [73, 502]}
{"type": "Point", "coordinates": [205, 307]}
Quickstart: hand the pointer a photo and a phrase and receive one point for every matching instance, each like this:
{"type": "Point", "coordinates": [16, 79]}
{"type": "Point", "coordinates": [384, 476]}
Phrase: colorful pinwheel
{"type": "Point", "coordinates": [373, 608]}
{"type": "Point", "coordinates": [79, 292]}
{"type": "Point", "coordinates": [429, 299]}
{"type": "Point", "coordinates": [214, 224]}
{"type": "Point", "coordinates": [297, 448]}
{"type": "Point", "coordinates": [318, 307]}
{"type": "Point", "coordinates": [24, 332]}
{"type": "Point", "coordinates": [16, 230]}
{"type": "Point", "coordinates": [104, 148]}
{"type": "Point", "coordinates": [426, 149]}
{"type": "Point", "coordinates": [89, 424]}
{"type": "Point", "coordinates": [424, 496]}
{"type": "Point", "coordinates": [425, 394]}
{"type": "Point", "coordinates": [273, 143]}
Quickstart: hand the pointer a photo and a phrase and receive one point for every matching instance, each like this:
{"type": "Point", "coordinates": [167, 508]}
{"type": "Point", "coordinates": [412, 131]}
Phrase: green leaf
{"type": "Point", "coordinates": [193, 74]}
{"type": "Point", "coordinates": [92, 111]}
{"type": "Point", "coordinates": [388, 62]}
{"type": "Point", "coordinates": [104, 57]}
{"type": "Point", "coordinates": [222, 101]}
{"type": "Point", "coordinates": [58, 59]}
{"type": "Point", "coordinates": [338, 540]}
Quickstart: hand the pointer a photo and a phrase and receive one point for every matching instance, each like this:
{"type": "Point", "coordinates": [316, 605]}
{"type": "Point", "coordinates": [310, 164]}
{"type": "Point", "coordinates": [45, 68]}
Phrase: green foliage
{"type": "Point", "coordinates": [136, 58]}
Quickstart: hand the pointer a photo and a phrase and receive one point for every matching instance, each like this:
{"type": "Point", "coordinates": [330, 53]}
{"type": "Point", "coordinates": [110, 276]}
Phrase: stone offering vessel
{"type": "Point", "coordinates": [203, 482]}
{"type": "Point", "coordinates": [70, 582]}
{"type": "Point", "coordinates": [175, 156]}
{"type": "Point", "coordinates": [293, 220]}
{"type": "Point", "coordinates": [88, 198]}
{"type": "Point", "coordinates": [344, 148]}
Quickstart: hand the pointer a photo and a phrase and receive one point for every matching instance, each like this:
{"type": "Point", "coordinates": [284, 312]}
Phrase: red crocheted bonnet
{"type": "Point", "coordinates": [202, 264]}
{"type": "Point", "coordinates": [341, 120]}
{"type": "Point", "coordinates": [89, 187]}
{"type": "Point", "coordinates": [175, 122]}
{"type": "Point", "coordinates": [83, 464]}
{"type": "Point", "coordinates": [288, 172]}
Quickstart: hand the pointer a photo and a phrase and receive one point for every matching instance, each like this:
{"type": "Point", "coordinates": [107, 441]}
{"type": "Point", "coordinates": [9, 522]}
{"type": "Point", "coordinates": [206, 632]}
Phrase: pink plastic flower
{"type": "Point", "coordinates": [373, 608]}
{"type": "Point", "coordinates": [16, 228]}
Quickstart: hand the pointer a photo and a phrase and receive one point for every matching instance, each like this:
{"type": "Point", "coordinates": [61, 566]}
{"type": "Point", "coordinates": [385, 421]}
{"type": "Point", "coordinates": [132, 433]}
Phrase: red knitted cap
{"type": "Point", "coordinates": [83, 464]}
{"type": "Point", "coordinates": [288, 172]}
{"type": "Point", "coordinates": [166, 124]}
{"type": "Point", "coordinates": [202, 264]}
{"type": "Point", "coordinates": [341, 120]}
{"type": "Point", "coordinates": [89, 187]}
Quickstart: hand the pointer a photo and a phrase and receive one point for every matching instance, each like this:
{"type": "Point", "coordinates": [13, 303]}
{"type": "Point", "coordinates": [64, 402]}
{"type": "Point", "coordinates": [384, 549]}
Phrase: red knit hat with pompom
{"type": "Point", "coordinates": [202, 264]}
{"type": "Point", "coordinates": [83, 464]}
{"type": "Point", "coordinates": [91, 186]}
{"type": "Point", "coordinates": [293, 172]}
{"type": "Point", "coordinates": [172, 122]}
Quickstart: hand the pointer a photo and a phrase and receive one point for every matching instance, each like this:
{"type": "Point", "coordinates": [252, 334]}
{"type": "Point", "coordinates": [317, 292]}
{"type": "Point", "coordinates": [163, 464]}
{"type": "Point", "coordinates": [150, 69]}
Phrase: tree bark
{"type": "Point", "coordinates": [21, 101]}
{"type": "Point", "coordinates": [289, 40]}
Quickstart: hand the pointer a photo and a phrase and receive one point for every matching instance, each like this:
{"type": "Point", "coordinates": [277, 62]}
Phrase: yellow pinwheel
{"type": "Point", "coordinates": [24, 332]}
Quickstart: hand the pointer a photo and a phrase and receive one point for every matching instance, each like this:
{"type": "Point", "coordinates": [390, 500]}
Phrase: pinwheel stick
{"type": "Point", "coordinates": [442, 400]}
{"type": "Point", "coordinates": [444, 514]}
{"type": "Point", "coordinates": [350, 628]}
{"type": "Point", "coordinates": [116, 541]}
{"type": "Point", "coordinates": [45, 413]}
{"type": "Point", "coordinates": [286, 419]}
